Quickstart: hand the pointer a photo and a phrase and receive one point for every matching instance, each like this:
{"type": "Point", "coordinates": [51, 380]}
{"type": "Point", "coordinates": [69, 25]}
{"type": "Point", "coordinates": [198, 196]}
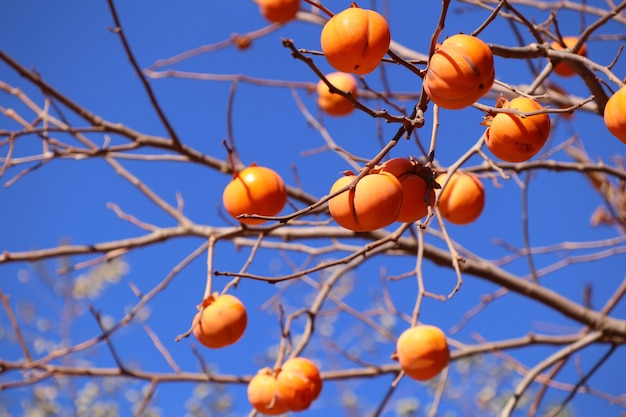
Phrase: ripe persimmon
{"type": "Point", "coordinates": [278, 11]}
{"type": "Point", "coordinates": [462, 199]}
{"type": "Point", "coordinates": [514, 138]}
{"type": "Point", "coordinates": [221, 321]}
{"type": "Point", "coordinates": [562, 68]}
{"type": "Point", "coordinates": [298, 384]}
{"type": "Point", "coordinates": [262, 393]}
{"type": "Point", "coordinates": [373, 203]}
{"type": "Point", "coordinates": [255, 190]}
{"type": "Point", "coordinates": [422, 352]}
{"type": "Point", "coordinates": [415, 201]}
{"type": "Point", "coordinates": [615, 114]}
{"type": "Point", "coordinates": [355, 40]}
{"type": "Point", "coordinates": [460, 72]}
{"type": "Point", "coordinates": [335, 104]}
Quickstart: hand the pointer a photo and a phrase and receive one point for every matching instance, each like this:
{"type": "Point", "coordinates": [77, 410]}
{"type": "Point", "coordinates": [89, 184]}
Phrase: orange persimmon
{"type": "Point", "coordinates": [298, 384]}
{"type": "Point", "coordinates": [262, 394]}
{"type": "Point", "coordinates": [355, 40]}
{"type": "Point", "coordinates": [373, 203]}
{"type": "Point", "coordinates": [615, 114]}
{"type": "Point", "coordinates": [415, 201]}
{"type": "Point", "coordinates": [562, 68]}
{"type": "Point", "coordinates": [514, 138]}
{"type": "Point", "coordinates": [335, 104]}
{"type": "Point", "coordinates": [422, 352]}
{"type": "Point", "coordinates": [462, 199]}
{"type": "Point", "coordinates": [278, 11]}
{"type": "Point", "coordinates": [255, 190]}
{"type": "Point", "coordinates": [460, 72]}
{"type": "Point", "coordinates": [221, 321]}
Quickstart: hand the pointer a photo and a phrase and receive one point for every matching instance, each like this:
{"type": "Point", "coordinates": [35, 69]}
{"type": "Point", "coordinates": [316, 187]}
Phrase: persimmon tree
{"type": "Point", "coordinates": [515, 286]}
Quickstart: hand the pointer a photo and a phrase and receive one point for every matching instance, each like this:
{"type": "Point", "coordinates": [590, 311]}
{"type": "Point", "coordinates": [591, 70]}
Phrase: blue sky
{"type": "Point", "coordinates": [68, 43]}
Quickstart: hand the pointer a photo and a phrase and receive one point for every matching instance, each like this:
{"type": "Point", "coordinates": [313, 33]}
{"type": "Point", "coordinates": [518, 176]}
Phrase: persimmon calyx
{"type": "Point", "coordinates": [501, 103]}
{"type": "Point", "coordinates": [267, 371]}
{"type": "Point", "coordinates": [236, 173]}
{"type": "Point", "coordinates": [424, 172]}
{"type": "Point", "coordinates": [208, 301]}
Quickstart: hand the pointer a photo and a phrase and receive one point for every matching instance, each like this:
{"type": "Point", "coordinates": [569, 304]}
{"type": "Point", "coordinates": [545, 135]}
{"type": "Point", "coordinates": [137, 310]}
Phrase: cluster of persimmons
{"type": "Point", "coordinates": [422, 352]}
{"type": "Point", "coordinates": [460, 72]}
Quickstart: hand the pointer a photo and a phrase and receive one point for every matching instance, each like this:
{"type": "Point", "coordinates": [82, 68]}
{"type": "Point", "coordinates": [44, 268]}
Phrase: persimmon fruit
{"type": "Point", "coordinates": [373, 203]}
{"type": "Point", "coordinates": [562, 68]}
{"type": "Point", "coordinates": [262, 394]}
{"type": "Point", "coordinates": [221, 321]}
{"type": "Point", "coordinates": [334, 104]}
{"type": "Point", "coordinates": [422, 352]}
{"type": "Point", "coordinates": [298, 384]}
{"type": "Point", "coordinates": [292, 388]}
{"type": "Point", "coordinates": [460, 72]}
{"type": "Point", "coordinates": [355, 40]}
{"type": "Point", "coordinates": [415, 201]}
{"type": "Point", "coordinates": [615, 114]}
{"type": "Point", "coordinates": [278, 11]}
{"type": "Point", "coordinates": [462, 199]}
{"type": "Point", "coordinates": [255, 190]}
{"type": "Point", "coordinates": [514, 138]}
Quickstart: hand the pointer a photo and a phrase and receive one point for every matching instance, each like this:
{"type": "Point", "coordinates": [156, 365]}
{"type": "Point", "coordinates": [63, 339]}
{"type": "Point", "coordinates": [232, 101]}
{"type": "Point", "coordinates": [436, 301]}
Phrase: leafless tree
{"type": "Point", "coordinates": [323, 264]}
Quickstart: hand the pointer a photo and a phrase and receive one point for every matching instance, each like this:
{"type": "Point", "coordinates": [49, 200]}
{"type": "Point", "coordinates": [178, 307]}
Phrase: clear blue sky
{"type": "Point", "coordinates": [68, 43]}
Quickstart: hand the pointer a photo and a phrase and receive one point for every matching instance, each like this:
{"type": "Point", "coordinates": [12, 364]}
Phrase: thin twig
{"type": "Point", "coordinates": [146, 85]}
{"type": "Point", "coordinates": [521, 388]}
{"type": "Point", "coordinates": [16, 327]}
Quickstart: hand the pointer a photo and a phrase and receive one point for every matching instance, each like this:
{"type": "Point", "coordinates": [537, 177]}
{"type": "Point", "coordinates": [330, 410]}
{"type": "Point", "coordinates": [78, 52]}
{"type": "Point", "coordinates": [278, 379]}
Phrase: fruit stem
{"type": "Point", "coordinates": [209, 262]}
{"type": "Point", "coordinates": [433, 137]}
{"type": "Point", "coordinates": [284, 334]}
{"type": "Point", "coordinates": [231, 159]}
